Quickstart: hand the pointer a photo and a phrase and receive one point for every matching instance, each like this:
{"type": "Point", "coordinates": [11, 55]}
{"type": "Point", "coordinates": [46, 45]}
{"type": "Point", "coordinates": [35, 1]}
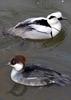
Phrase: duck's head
{"type": "Point", "coordinates": [57, 15]}
{"type": "Point", "coordinates": [17, 62]}
{"type": "Point", "coordinates": [54, 21]}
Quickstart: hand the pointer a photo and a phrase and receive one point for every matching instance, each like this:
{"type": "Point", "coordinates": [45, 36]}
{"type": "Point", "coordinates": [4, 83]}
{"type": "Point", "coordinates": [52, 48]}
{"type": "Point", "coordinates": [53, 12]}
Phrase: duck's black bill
{"type": "Point", "coordinates": [62, 18]}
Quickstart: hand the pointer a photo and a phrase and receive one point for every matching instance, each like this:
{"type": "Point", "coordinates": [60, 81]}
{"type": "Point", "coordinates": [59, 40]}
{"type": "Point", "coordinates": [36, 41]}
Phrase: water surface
{"type": "Point", "coordinates": [55, 53]}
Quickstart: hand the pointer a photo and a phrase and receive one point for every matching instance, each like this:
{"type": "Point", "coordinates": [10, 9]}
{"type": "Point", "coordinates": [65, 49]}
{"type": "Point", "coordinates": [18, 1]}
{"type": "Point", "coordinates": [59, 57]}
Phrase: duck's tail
{"type": "Point", "coordinates": [63, 80]}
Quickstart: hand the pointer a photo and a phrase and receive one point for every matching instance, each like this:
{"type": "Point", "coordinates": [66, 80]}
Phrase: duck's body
{"type": "Point", "coordinates": [34, 75]}
{"type": "Point", "coordinates": [38, 28]}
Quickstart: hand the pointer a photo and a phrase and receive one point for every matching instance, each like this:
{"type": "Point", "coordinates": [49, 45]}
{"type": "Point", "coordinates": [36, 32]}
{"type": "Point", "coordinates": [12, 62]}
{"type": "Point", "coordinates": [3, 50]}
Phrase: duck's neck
{"type": "Point", "coordinates": [13, 73]}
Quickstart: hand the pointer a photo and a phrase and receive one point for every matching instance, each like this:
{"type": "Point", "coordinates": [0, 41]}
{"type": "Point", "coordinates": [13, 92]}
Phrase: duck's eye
{"type": "Point", "coordinates": [51, 17]}
{"type": "Point", "coordinates": [60, 18]}
{"type": "Point", "coordinates": [13, 61]}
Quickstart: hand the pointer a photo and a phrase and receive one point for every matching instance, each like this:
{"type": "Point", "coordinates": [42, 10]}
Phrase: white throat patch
{"type": "Point", "coordinates": [18, 66]}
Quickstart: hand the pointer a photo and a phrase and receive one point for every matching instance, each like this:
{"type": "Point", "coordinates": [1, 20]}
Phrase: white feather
{"type": "Point", "coordinates": [18, 66]}
{"type": "Point", "coordinates": [43, 29]}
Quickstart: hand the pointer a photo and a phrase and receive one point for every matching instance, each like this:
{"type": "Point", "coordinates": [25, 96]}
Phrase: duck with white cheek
{"type": "Point", "coordinates": [38, 28]}
{"type": "Point", "coordinates": [34, 75]}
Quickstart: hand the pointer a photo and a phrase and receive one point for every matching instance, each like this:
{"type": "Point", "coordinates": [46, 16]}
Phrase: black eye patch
{"type": "Point", "coordinates": [51, 17]}
{"type": "Point", "coordinates": [60, 18]}
{"type": "Point", "coordinates": [13, 61]}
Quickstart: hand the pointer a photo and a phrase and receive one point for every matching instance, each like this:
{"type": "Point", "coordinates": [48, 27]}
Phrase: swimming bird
{"type": "Point", "coordinates": [38, 28]}
{"type": "Point", "coordinates": [35, 75]}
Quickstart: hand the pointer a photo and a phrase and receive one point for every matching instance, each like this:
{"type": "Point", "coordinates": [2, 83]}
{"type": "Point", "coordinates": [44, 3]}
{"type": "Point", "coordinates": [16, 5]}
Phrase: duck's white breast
{"type": "Point", "coordinates": [56, 29]}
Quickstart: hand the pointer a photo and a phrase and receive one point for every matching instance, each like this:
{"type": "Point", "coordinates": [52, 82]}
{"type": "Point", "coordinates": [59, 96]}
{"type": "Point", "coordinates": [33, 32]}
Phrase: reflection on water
{"type": "Point", "coordinates": [51, 42]}
{"type": "Point", "coordinates": [18, 90]}
{"type": "Point", "coordinates": [55, 41]}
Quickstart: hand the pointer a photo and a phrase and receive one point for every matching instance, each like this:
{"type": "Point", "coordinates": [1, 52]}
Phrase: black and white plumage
{"type": "Point", "coordinates": [35, 75]}
{"type": "Point", "coordinates": [38, 28]}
